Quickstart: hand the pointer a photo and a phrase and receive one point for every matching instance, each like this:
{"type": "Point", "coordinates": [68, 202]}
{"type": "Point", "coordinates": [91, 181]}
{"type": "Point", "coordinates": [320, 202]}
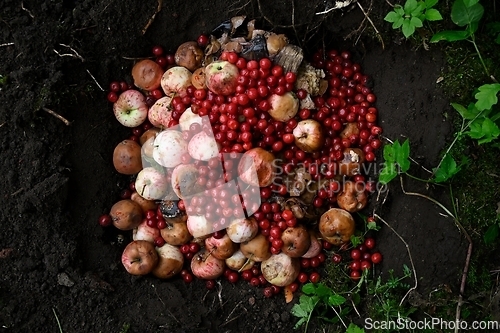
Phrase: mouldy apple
{"type": "Point", "coordinates": [309, 135]}
{"type": "Point", "coordinates": [280, 269]}
{"type": "Point", "coordinates": [221, 77]}
{"type": "Point", "coordinates": [184, 180]}
{"type": "Point", "coordinates": [131, 109]}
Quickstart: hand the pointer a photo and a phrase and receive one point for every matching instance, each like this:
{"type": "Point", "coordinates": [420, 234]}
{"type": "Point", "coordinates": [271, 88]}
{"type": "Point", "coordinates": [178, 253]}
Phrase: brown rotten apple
{"type": "Point", "coordinates": [126, 214]}
{"type": "Point", "coordinates": [353, 197]}
{"type": "Point", "coordinates": [139, 257]}
{"type": "Point", "coordinates": [170, 261]}
{"type": "Point", "coordinates": [296, 241]}
{"type": "Point", "coordinates": [221, 248]}
{"type": "Point", "coordinates": [309, 135]}
{"type": "Point", "coordinates": [336, 226]}
{"type": "Point", "coordinates": [352, 162]}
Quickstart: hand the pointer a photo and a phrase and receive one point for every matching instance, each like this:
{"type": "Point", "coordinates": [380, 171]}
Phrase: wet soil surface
{"type": "Point", "coordinates": [57, 179]}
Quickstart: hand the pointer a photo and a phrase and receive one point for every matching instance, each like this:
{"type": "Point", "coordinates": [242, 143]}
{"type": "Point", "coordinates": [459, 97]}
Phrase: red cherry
{"type": "Point", "coordinates": [105, 220]}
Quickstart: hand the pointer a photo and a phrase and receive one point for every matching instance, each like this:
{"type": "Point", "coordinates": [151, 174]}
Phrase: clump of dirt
{"type": "Point", "coordinates": [56, 261]}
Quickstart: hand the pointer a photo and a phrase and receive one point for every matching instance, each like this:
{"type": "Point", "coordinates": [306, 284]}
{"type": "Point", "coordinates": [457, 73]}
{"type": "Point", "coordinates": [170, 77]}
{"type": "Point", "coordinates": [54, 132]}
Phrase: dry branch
{"type": "Point", "coordinates": [58, 116]}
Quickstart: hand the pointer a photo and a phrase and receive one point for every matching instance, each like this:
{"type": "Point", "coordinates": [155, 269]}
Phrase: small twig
{"type": "Point", "coordinates": [372, 24]}
{"type": "Point", "coordinates": [58, 116]}
{"type": "Point", "coordinates": [390, 4]}
{"type": "Point", "coordinates": [339, 316]}
{"type": "Point", "coordinates": [27, 10]}
{"type": "Point", "coordinates": [93, 78]}
{"type": "Point", "coordinates": [57, 320]}
{"type": "Point", "coordinates": [17, 192]}
{"type": "Point", "coordinates": [74, 54]}
{"type": "Point", "coordinates": [136, 58]}
{"type": "Point", "coordinates": [158, 9]}
{"type": "Point", "coordinates": [227, 321]}
{"type": "Point", "coordinates": [409, 255]}
{"type": "Point", "coordinates": [1, 125]}
{"type": "Point", "coordinates": [6, 44]}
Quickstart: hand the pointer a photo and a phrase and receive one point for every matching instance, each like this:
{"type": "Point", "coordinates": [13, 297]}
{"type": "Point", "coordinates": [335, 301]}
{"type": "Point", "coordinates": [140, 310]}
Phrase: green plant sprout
{"type": "Point", "coordinates": [466, 14]}
{"type": "Point", "coordinates": [413, 15]}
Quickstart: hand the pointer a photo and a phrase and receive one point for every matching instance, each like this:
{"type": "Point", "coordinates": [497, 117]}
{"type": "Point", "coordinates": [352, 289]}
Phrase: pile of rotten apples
{"type": "Point", "coordinates": [246, 159]}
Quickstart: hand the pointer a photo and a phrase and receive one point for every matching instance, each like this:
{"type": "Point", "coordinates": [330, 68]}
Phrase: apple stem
{"type": "Point", "coordinates": [246, 262]}
{"type": "Point", "coordinates": [209, 254]}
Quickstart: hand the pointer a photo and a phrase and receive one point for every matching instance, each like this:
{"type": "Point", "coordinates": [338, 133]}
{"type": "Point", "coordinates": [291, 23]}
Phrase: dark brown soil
{"type": "Point", "coordinates": [57, 179]}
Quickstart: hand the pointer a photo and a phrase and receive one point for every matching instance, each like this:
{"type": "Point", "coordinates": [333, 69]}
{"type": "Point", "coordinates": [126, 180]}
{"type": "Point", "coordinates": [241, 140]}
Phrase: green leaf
{"type": "Point", "coordinates": [356, 240]}
{"type": "Point", "coordinates": [468, 113]}
{"type": "Point", "coordinates": [469, 3]}
{"type": "Point", "coordinates": [450, 36]}
{"type": "Point", "coordinates": [490, 131]}
{"type": "Point", "coordinates": [398, 9]}
{"type": "Point", "coordinates": [372, 226]}
{"type": "Point", "coordinates": [447, 169]}
{"type": "Point", "coordinates": [430, 3]}
{"type": "Point", "coordinates": [419, 9]}
{"type": "Point", "coordinates": [476, 129]}
{"type": "Point", "coordinates": [402, 154]}
{"type": "Point", "coordinates": [433, 15]}
{"type": "Point", "coordinates": [398, 23]}
{"type": "Point", "coordinates": [353, 328]}
{"type": "Point", "coordinates": [416, 22]}
{"type": "Point", "coordinates": [389, 154]}
{"type": "Point", "coordinates": [392, 17]}
{"type": "Point", "coordinates": [323, 291]}
{"type": "Point", "coordinates": [336, 300]}
{"type": "Point", "coordinates": [491, 234]}
{"type": "Point", "coordinates": [387, 173]}
{"type": "Point", "coordinates": [487, 96]}
{"type": "Point", "coordinates": [408, 28]}
{"type": "Point", "coordinates": [299, 311]}
{"type": "Point", "coordinates": [309, 289]}
{"type": "Point", "coordinates": [462, 15]}
{"type": "Point", "coordinates": [410, 6]}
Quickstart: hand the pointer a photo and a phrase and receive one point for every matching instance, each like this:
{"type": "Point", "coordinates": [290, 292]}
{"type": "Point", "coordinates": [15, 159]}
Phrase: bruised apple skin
{"type": "Point", "coordinates": [336, 226]}
{"type": "Point", "coordinates": [221, 248]}
{"type": "Point", "coordinates": [139, 257]}
{"type": "Point", "coordinates": [353, 198]}
{"type": "Point", "coordinates": [176, 234]}
{"type": "Point", "coordinates": [189, 55]}
{"type": "Point", "coordinates": [126, 214]}
{"type": "Point", "coordinates": [257, 162]}
{"type": "Point", "coordinates": [147, 74]}
{"type": "Point", "coordinates": [127, 157]}
{"type": "Point", "coordinates": [170, 261]}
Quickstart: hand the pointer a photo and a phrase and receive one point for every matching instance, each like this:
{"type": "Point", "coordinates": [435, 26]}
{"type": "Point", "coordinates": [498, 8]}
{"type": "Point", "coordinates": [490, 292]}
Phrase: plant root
{"type": "Point", "coordinates": [379, 36]}
{"type": "Point", "coordinates": [74, 54]}
{"type": "Point", "coordinates": [93, 78]}
{"type": "Point", "coordinates": [58, 116]}
{"type": "Point", "coordinates": [465, 270]}
{"type": "Point", "coordinates": [414, 287]}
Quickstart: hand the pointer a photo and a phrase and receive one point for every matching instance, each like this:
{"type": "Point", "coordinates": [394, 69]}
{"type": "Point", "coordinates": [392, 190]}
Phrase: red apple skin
{"type": "Point", "coordinates": [296, 241]}
{"type": "Point", "coordinates": [139, 257]}
{"type": "Point", "coordinates": [309, 135]}
{"type": "Point", "coordinates": [221, 248]}
{"type": "Point", "coordinates": [221, 77]}
{"type": "Point", "coordinates": [206, 266]}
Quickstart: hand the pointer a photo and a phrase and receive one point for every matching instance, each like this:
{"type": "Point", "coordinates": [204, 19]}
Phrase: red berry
{"type": "Point", "coordinates": [105, 220]}
{"type": "Point", "coordinates": [376, 257]}
{"type": "Point", "coordinates": [157, 50]}
{"type": "Point", "coordinates": [314, 277]}
{"type": "Point", "coordinates": [112, 97]}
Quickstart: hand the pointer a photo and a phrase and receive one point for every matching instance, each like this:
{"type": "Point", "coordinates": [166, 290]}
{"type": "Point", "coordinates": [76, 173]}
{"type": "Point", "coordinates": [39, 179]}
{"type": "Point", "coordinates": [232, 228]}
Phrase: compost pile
{"type": "Point", "coordinates": [245, 159]}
